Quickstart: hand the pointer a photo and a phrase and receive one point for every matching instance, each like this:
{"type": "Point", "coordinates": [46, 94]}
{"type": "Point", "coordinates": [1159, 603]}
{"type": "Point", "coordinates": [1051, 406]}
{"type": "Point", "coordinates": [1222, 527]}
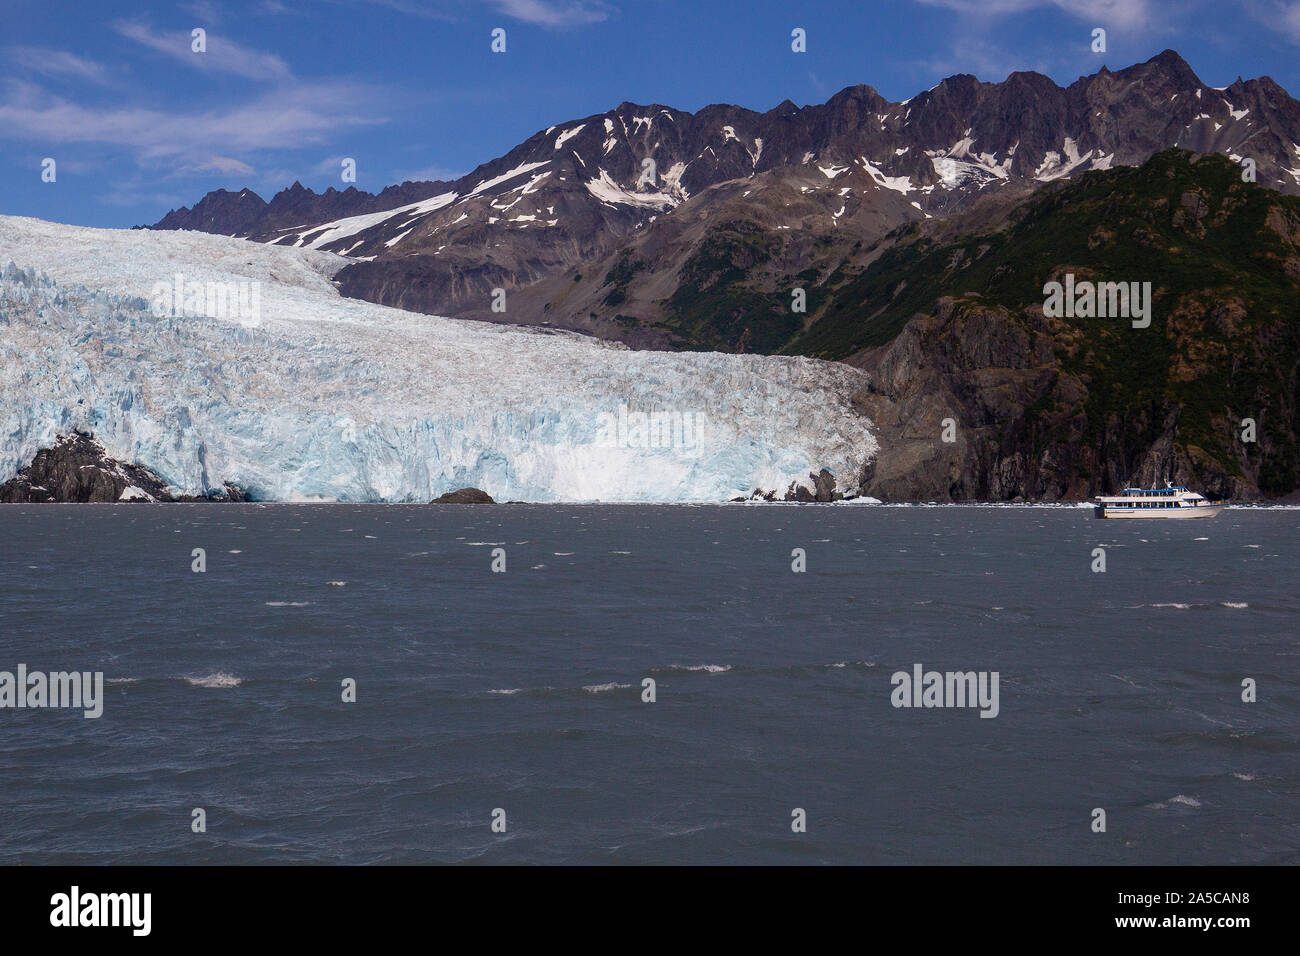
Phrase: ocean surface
{"type": "Point", "coordinates": [522, 691]}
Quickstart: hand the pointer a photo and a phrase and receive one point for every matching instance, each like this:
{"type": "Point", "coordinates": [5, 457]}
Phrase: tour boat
{"type": "Point", "coordinates": [1166, 502]}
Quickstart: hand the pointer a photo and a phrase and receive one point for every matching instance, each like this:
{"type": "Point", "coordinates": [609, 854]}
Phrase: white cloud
{"type": "Point", "coordinates": [550, 13]}
{"type": "Point", "coordinates": [222, 164]}
{"type": "Point", "coordinates": [1102, 13]}
{"type": "Point", "coordinates": [221, 54]}
{"type": "Point", "coordinates": [291, 117]}
{"type": "Point", "coordinates": [56, 63]}
{"type": "Point", "coordinates": [546, 13]}
{"type": "Point", "coordinates": [1280, 15]}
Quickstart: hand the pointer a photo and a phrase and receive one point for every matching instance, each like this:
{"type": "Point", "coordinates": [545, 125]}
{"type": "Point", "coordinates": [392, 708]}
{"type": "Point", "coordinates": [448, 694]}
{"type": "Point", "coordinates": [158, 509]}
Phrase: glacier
{"type": "Point", "coordinates": [334, 399]}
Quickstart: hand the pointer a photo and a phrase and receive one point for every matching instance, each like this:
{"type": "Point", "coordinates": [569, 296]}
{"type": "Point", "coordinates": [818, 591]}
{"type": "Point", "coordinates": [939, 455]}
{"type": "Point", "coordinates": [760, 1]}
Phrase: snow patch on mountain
{"type": "Point", "coordinates": [897, 183]}
{"type": "Point", "coordinates": [606, 190]}
{"type": "Point", "coordinates": [505, 177]}
{"type": "Point", "coordinates": [1054, 167]}
{"type": "Point", "coordinates": [342, 228]}
{"type": "Point", "coordinates": [672, 182]}
{"type": "Point", "coordinates": [959, 164]}
{"type": "Point", "coordinates": [569, 134]}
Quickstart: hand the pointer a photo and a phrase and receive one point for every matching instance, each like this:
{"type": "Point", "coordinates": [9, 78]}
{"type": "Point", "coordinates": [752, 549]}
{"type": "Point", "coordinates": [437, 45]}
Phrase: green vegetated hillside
{"type": "Point", "coordinates": [717, 306]}
{"type": "Point", "coordinates": [1091, 403]}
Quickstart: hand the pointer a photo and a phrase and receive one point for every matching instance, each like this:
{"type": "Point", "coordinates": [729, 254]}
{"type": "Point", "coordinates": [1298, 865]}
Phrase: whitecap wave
{"type": "Point", "coordinates": [1181, 800]}
{"type": "Point", "coordinates": [219, 679]}
{"type": "Point", "coordinates": [602, 688]}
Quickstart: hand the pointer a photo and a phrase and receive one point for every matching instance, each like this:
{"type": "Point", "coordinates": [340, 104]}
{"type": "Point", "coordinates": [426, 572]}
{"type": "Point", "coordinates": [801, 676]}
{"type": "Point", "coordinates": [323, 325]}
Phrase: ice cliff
{"type": "Point", "coordinates": [321, 397]}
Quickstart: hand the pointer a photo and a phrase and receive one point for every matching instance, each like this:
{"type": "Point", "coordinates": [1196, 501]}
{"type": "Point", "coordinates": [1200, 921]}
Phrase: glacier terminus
{"type": "Point", "coordinates": [325, 398]}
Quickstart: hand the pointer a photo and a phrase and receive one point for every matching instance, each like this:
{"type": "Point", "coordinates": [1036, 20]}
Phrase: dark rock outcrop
{"type": "Point", "coordinates": [464, 496]}
{"type": "Point", "coordinates": [78, 469]}
{"type": "Point", "coordinates": [823, 488]}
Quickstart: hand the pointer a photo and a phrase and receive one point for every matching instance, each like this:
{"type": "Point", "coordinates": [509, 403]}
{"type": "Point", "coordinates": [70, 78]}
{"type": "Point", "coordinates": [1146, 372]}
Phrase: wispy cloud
{"type": "Point", "coordinates": [1104, 13]}
{"type": "Point", "coordinates": [56, 63]}
{"type": "Point", "coordinates": [1280, 15]}
{"type": "Point", "coordinates": [546, 13]}
{"type": "Point", "coordinates": [205, 10]}
{"type": "Point", "coordinates": [983, 58]}
{"type": "Point", "coordinates": [221, 54]}
{"type": "Point", "coordinates": [221, 164]}
{"type": "Point", "coordinates": [291, 117]}
{"type": "Point", "coordinates": [131, 196]}
{"type": "Point", "coordinates": [550, 13]}
{"type": "Point", "coordinates": [430, 174]}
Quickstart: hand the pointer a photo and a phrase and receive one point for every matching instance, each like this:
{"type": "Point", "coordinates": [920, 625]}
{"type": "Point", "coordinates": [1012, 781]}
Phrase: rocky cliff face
{"type": "Point", "coordinates": [78, 469]}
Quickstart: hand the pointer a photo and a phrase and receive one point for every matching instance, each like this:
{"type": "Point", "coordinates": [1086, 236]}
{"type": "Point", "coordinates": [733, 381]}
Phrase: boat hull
{"type": "Point", "coordinates": [1195, 511]}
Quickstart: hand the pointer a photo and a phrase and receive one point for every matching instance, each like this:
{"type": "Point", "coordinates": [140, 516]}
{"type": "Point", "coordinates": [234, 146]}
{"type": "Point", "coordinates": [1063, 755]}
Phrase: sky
{"type": "Point", "coordinates": [137, 122]}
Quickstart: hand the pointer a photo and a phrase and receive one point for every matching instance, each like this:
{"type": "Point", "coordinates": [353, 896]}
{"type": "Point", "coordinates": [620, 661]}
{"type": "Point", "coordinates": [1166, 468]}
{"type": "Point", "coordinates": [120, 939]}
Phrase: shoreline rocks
{"type": "Point", "coordinates": [464, 496]}
{"type": "Point", "coordinates": [78, 469]}
{"type": "Point", "coordinates": [822, 491]}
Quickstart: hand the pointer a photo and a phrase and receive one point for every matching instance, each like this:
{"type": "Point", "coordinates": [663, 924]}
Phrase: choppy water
{"type": "Point", "coordinates": [522, 690]}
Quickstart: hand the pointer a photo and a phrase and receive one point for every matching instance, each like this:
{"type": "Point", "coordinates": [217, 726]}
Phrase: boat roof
{"type": "Point", "coordinates": [1170, 488]}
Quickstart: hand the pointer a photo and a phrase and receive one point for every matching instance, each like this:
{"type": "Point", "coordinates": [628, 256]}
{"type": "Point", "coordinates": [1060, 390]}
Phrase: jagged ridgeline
{"type": "Point", "coordinates": [1167, 401]}
{"type": "Point", "coordinates": [698, 250]}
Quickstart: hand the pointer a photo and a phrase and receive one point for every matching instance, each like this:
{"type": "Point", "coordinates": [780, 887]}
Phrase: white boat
{"type": "Point", "coordinates": [1166, 502]}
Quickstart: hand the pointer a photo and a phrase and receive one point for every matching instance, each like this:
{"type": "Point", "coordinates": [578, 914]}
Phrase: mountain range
{"type": "Point", "coordinates": [608, 224]}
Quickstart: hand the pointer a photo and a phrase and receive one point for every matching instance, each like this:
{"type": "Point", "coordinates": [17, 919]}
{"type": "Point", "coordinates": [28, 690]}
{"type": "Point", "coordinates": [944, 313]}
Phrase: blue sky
{"type": "Point", "coordinates": [138, 123]}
